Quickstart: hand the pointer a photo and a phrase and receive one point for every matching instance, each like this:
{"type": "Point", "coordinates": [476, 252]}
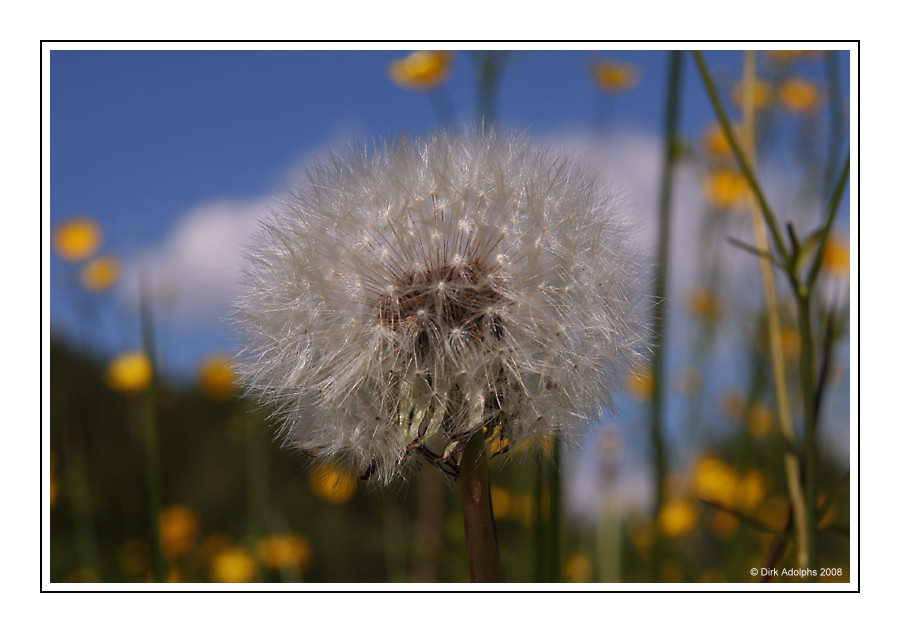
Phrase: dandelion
{"type": "Point", "coordinates": [412, 300]}
{"type": "Point", "coordinates": [615, 77]}
{"type": "Point", "coordinates": [421, 70]}
{"type": "Point", "coordinates": [406, 298]}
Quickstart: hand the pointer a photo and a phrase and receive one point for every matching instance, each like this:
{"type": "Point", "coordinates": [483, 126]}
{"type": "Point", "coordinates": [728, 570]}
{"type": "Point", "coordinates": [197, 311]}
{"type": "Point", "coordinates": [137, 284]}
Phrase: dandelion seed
{"type": "Point", "coordinates": [453, 330]}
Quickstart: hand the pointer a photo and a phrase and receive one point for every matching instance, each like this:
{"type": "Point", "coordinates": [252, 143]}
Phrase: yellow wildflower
{"type": "Point", "coordinates": [285, 551]}
{"type": "Point", "coordinates": [502, 503]}
{"type": "Point", "coordinates": [726, 188]}
{"type": "Point", "coordinates": [751, 489]}
{"type": "Point", "coordinates": [774, 511]}
{"type": "Point", "coordinates": [178, 527]}
{"type": "Point", "coordinates": [677, 517]}
{"type": "Point", "coordinates": [129, 372]}
{"type": "Point", "coordinates": [100, 274]}
{"type": "Point", "coordinates": [702, 304]}
{"type": "Point", "coordinates": [714, 480]}
{"type": "Point", "coordinates": [786, 57]}
{"type": "Point", "coordinates": [421, 70]}
{"type": "Point", "coordinates": [233, 564]}
{"type": "Point", "coordinates": [615, 77]}
{"type": "Point", "coordinates": [76, 239]}
{"type": "Point", "coordinates": [577, 568]}
{"type": "Point", "coordinates": [762, 95]}
{"type": "Point", "coordinates": [836, 257]}
{"type": "Point", "coordinates": [640, 383]}
{"type": "Point", "coordinates": [333, 484]}
{"type": "Point", "coordinates": [216, 377]}
{"type": "Point", "coordinates": [759, 420]}
{"type": "Point", "coordinates": [799, 95]}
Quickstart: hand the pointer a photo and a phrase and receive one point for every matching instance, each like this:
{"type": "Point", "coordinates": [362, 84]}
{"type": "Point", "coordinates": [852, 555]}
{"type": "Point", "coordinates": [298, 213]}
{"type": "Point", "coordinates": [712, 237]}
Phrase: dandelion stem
{"type": "Point", "coordinates": [478, 518]}
{"type": "Point", "coordinates": [151, 438]}
{"type": "Point", "coordinates": [554, 512]}
{"type": "Point", "coordinates": [776, 353]}
{"type": "Point", "coordinates": [657, 405]}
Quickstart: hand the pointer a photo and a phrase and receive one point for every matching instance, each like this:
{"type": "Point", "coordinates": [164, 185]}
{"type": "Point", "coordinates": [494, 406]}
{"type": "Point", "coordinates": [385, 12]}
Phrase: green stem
{"type": "Point", "coordinates": [740, 157]}
{"type": "Point", "coordinates": [478, 517]}
{"type": "Point", "coordinates": [807, 382]}
{"type": "Point", "coordinates": [657, 405]}
{"type": "Point", "coordinates": [833, 203]}
{"type": "Point", "coordinates": [151, 440]}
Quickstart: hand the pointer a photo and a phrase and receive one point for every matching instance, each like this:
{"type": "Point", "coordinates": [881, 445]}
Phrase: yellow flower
{"type": "Point", "coordinates": [762, 95]}
{"type": "Point", "coordinates": [715, 140]}
{"type": "Point", "coordinates": [421, 70]}
{"type": "Point", "coordinates": [100, 274]}
{"type": "Point", "coordinates": [750, 489]}
{"type": "Point", "coordinates": [640, 383]}
{"type": "Point", "coordinates": [233, 564]}
{"type": "Point", "coordinates": [799, 95]}
{"type": "Point", "coordinates": [759, 420]}
{"type": "Point", "coordinates": [177, 530]}
{"type": "Point", "coordinates": [836, 257]}
{"type": "Point", "coordinates": [786, 57]}
{"type": "Point", "coordinates": [216, 377]}
{"type": "Point", "coordinates": [333, 484]}
{"type": "Point", "coordinates": [577, 568]}
{"type": "Point", "coordinates": [703, 304]}
{"type": "Point", "coordinates": [129, 372]}
{"type": "Point", "coordinates": [502, 503]}
{"type": "Point", "coordinates": [615, 77]}
{"type": "Point", "coordinates": [76, 239]}
{"type": "Point", "coordinates": [790, 342]}
{"type": "Point", "coordinates": [774, 511]}
{"type": "Point", "coordinates": [54, 480]}
{"type": "Point", "coordinates": [726, 188]}
{"type": "Point", "coordinates": [677, 517]}
{"type": "Point", "coordinates": [285, 551]}
{"type": "Point", "coordinates": [714, 480]}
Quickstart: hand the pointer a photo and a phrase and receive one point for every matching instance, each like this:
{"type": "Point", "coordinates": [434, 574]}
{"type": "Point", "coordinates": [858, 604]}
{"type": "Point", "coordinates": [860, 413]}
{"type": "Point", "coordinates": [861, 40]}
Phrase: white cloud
{"type": "Point", "coordinates": [194, 274]}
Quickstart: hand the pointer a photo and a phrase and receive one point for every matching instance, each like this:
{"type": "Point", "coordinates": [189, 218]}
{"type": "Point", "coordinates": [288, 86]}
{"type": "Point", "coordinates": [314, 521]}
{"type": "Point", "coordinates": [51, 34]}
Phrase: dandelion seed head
{"type": "Point", "coordinates": [411, 295]}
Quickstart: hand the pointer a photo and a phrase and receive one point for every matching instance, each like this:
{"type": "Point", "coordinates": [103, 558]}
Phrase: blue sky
{"type": "Point", "coordinates": [141, 139]}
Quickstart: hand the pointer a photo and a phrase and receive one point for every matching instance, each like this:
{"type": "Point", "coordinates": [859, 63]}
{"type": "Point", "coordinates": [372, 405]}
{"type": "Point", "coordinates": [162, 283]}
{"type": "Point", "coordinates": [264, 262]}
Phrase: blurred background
{"type": "Point", "coordinates": [162, 164]}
